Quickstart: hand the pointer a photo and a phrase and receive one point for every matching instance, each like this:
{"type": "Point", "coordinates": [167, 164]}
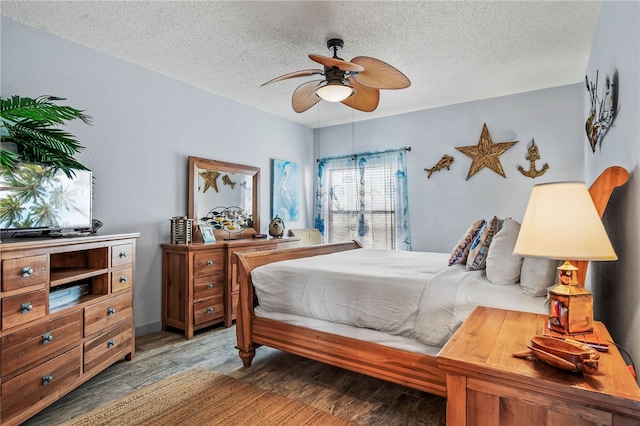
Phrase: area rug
{"type": "Point", "coordinates": [200, 396]}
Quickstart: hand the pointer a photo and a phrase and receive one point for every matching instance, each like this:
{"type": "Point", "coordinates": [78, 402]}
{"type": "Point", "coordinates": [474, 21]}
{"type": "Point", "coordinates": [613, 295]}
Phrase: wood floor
{"type": "Point", "coordinates": [359, 398]}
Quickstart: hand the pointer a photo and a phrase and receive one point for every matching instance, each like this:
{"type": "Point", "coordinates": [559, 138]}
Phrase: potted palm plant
{"type": "Point", "coordinates": [32, 126]}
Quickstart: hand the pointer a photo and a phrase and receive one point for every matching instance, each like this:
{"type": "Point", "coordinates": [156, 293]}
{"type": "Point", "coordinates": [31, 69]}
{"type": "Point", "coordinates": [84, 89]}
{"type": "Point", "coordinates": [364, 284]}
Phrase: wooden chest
{"type": "Point", "coordinates": [48, 349]}
{"type": "Point", "coordinates": [200, 281]}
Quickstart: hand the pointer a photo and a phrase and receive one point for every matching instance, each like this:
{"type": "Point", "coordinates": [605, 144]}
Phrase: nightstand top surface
{"type": "Point", "coordinates": [484, 344]}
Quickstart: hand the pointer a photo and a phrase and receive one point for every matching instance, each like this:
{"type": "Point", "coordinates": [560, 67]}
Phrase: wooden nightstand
{"type": "Point", "coordinates": [486, 385]}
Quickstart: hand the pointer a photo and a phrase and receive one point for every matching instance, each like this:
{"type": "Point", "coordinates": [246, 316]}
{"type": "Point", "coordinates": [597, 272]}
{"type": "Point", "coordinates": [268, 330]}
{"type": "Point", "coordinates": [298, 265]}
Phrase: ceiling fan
{"type": "Point", "coordinates": [356, 84]}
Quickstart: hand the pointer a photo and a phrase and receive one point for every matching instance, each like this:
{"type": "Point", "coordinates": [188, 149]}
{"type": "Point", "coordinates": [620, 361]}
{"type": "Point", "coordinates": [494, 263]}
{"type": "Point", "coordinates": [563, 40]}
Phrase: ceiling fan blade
{"type": "Point", "coordinates": [335, 62]}
{"type": "Point", "coordinates": [366, 99]}
{"type": "Point", "coordinates": [304, 97]}
{"type": "Point", "coordinates": [379, 75]}
{"type": "Point", "coordinates": [301, 73]}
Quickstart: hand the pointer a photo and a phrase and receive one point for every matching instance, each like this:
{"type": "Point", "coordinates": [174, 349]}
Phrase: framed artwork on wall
{"type": "Point", "coordinates": [284, 190]}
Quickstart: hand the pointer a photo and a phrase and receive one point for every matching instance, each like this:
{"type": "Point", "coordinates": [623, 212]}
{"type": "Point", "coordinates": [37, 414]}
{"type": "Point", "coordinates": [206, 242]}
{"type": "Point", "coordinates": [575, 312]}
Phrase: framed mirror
{"type": "Point", "coordinates": [224, 196]}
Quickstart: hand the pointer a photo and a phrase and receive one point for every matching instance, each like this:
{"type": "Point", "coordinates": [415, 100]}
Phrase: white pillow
{"type": "Point", "coordinates": [503, 267]}
{"type": "Point", "coordinates": [537, 275]}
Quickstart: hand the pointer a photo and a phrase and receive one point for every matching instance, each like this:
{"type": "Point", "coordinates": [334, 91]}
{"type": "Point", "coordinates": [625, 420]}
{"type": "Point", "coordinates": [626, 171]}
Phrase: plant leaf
{"type": "Point", "coordinates": [31, 125]}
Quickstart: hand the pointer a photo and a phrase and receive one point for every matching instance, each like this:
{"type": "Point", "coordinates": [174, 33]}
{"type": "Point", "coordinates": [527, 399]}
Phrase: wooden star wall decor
{"type": "Point", "coordinates": [210, 180]}
{"type": "Point", "coordinates": [486, 153]}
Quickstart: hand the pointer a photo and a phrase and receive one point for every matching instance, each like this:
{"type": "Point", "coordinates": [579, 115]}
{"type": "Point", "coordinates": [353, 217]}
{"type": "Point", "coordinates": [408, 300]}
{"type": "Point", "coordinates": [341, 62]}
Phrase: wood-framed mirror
{"type": "Point", "coordinates": [224, 196]}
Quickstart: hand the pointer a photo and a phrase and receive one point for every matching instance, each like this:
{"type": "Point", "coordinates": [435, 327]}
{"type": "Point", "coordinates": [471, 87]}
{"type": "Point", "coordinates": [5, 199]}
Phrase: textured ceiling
{"type": "Point", "coordinates": [452, 51]}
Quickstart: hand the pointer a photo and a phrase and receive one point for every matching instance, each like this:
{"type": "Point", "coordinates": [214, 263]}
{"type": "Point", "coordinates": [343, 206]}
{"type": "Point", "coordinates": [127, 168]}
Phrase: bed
{"type": "Point", "coordinates": [371, 336]}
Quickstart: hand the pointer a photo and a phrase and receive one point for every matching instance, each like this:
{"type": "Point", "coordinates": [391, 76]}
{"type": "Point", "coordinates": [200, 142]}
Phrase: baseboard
{"type": "Point", "coordinates": [153, 327]}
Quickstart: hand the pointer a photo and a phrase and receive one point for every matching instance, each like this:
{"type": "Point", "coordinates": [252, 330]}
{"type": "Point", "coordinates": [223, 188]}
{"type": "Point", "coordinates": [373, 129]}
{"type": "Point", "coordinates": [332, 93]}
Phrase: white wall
{"type": "Point", "coordinates": [145, 127]}
{"type": "Point", "coordinates": [616, 286]}
{"type": "Point", "coordinates": [443, 206]}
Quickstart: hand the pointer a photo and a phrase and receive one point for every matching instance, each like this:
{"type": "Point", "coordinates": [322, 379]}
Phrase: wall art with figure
{"type": "Point", "coordinates": [284, 193]}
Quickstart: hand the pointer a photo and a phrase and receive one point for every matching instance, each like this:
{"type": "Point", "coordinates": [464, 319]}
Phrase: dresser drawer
{"type": "Point", "coordinates": [204, 288]}
{"type": "Point", "coordinates": [23, 308]}
{"type": "Point", "coordinates": [107, 348]}
{"type": "Point", "coordinates": [24, 271]}
{"type": "Point", "coordinates": [27, 347]}
{"type": "Point", "coordinates": [121, 279]}
{"type": "Point", "coordinates": [208, 263]}
{"type": "Point", "coordinates": [121, 254]}
{"type": "Point", "coordinates": [42, 384]}
{"type": "Point", "coordinates": [208, 310]}
{"type": "Point", "coordinates": [104, 315]}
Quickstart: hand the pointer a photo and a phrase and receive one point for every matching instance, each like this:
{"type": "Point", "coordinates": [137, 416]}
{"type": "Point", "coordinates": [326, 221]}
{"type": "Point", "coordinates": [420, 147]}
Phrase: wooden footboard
{"type": "Point", "coordinates": [406, 368]}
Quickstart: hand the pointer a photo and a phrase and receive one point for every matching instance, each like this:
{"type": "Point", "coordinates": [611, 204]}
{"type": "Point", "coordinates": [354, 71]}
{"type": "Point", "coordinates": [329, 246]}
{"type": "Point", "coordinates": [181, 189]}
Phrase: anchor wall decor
{"type": "Point", "coordinates": [532, 157]}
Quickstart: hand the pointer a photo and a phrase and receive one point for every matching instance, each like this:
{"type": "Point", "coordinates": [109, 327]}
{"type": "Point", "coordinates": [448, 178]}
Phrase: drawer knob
{"type": "Point", "coordinates": [209, 286]}
{"type": "Point", "coordinates": [111, 343]}
{"type": "Point", "coordinates": [210, 310]}
{"type": "Point", "coordinates": [47, 338]}
{"type": "Point", "coordinates": [111, 310]}
{"type": "Point", "coordinates": [26, 307]}
{"type": "Point", "coordinates": [46, 379]}
{"type": "Point", "coordinates": [209, 262]}
{"type": "Point", "coordinates": [123, 279]}
{"type": "Point", "coordinates": [27, 271]}
{"type": "Point", "coordinates": [123, 254]}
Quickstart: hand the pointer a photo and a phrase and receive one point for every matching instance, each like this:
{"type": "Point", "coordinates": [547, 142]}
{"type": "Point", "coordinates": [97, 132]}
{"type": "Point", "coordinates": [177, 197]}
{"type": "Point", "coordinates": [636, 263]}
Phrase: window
{"type": "Point", "coordinates": [363, 197]}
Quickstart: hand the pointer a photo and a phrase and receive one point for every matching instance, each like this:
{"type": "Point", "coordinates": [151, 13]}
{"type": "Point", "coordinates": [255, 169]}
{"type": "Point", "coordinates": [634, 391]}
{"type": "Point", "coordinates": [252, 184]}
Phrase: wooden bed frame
{"type": "Point", "coordinates": [417, 371]}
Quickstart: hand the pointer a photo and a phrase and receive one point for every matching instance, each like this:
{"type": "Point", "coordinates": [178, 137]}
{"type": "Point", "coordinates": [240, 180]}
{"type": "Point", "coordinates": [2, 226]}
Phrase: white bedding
{"type": "Point", "coordinates": [412, 295]}
{"type": "Point", "coordinates": [451, 296]}
{"type": "Point", "coordinates": [378, 289]}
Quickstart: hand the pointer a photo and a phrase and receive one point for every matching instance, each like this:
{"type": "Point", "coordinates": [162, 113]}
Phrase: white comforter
{"type": "Point", "coordinates": [409, 294]}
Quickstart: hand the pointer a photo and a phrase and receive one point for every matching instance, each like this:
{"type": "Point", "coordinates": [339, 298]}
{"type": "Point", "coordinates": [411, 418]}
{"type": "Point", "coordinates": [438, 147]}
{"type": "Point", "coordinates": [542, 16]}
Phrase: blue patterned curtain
{"type": "Point", "coordinates": [364, 197]}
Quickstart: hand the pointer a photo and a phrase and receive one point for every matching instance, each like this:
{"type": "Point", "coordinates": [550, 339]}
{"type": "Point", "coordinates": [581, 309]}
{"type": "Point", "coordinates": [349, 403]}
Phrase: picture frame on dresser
{"type": "Point", "coordinates": [208, 236]}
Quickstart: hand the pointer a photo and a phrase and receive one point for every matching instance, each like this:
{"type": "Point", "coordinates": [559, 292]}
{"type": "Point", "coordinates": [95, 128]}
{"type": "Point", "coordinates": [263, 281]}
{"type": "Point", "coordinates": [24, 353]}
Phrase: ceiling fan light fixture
{"type": "Point", "coordinates": [335, 91]}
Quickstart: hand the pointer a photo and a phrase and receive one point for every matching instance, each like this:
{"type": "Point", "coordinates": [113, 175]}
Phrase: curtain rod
{"type": "Point", "coordinates": [405, 148]}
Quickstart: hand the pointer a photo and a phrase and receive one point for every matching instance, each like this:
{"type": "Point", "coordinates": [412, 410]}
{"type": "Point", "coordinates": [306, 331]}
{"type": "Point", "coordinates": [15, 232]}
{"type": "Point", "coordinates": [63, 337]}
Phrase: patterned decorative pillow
{"type": "Point", "coordinates": [461, 250]}
{"type": "Point", "coordinates": [477, 258]}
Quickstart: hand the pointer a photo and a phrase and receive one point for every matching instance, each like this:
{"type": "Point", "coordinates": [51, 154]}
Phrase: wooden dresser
{"type": "Point", "coordinates": [49, 347]}
{"type": "Point", "coordinates": [487, 386]}
{"type": "Point", "coordinates": [200, 281]}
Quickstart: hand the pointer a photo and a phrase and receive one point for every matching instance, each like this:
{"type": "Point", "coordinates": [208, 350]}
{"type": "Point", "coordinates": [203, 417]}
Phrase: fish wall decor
{"type": "Point", "coordinates": [443, 163]}
{"type": "Point", "coordinates": [227, 181]}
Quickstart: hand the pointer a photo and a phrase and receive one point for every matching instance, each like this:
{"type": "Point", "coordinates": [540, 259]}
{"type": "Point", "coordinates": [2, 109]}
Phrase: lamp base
{"type": "Point", "coordinates": [571, 309]}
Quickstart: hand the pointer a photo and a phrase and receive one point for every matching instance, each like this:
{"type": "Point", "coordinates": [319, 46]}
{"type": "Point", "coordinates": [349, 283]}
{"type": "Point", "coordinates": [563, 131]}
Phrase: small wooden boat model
{"type": "Point", "coordinates": [564, 354]}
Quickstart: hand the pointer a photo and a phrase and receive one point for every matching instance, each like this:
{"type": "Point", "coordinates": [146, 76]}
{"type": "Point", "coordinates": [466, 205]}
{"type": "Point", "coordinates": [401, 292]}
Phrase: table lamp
{"type": "Point", "coordinates": [561, 222]}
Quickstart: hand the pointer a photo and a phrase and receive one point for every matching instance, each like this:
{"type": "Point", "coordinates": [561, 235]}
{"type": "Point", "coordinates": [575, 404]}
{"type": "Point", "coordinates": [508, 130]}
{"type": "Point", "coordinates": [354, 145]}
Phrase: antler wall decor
{"type": "Point", "coordinates": [603, 110]}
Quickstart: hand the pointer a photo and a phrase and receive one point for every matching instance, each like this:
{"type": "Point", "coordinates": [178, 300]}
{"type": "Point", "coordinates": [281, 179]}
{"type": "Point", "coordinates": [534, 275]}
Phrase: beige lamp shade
{"type": "Point", "coordinates": [561, 222]}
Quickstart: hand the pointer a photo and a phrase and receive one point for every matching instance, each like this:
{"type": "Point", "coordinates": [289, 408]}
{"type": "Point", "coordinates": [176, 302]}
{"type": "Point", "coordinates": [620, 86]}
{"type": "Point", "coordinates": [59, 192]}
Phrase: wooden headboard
{"type": "Point", "coordinates": [600, 192]}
